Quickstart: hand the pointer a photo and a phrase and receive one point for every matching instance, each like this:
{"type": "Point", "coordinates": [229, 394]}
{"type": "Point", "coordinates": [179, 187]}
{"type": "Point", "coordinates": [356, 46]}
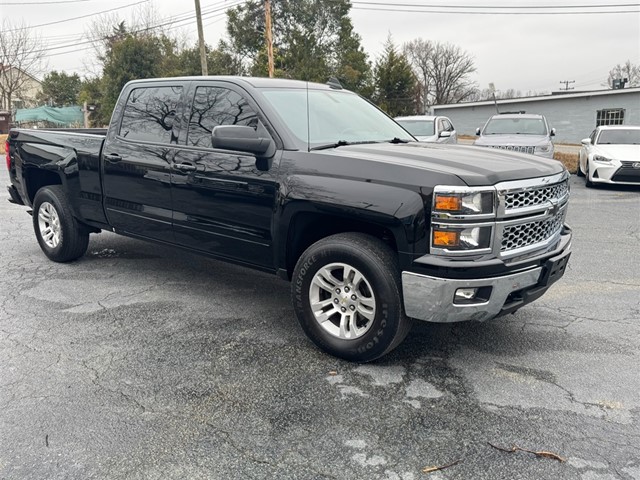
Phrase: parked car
{"type": "Point", "coordinates": [519, 132]}
{"type": "Point", "coordinates": [429, 128]}
{"type": "Point", "coordinates": [371, 228]}
{"type": "Point", "coordinates": [611, 154]}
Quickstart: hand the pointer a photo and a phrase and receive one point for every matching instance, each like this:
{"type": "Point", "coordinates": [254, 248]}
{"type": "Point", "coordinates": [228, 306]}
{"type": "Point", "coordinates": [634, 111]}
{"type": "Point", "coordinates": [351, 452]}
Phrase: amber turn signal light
{"type": "Point", "coordinates": [450, 203]}
{"type": "Point", "coordinates": [443, 238]}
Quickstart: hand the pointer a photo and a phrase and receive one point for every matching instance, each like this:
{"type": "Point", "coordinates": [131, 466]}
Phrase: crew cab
{"type": "Point", "coordinates": [314, 184]}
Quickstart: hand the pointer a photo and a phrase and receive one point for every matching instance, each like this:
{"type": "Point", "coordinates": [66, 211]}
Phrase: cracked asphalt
{"type": "Point", "coordinates": [143, 362]}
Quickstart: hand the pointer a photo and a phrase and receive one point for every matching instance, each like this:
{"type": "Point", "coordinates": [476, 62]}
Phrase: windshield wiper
{"type": "Point", "coordinates": [341, 143]}
{"type": "Point", "coordinates": [398, 140]}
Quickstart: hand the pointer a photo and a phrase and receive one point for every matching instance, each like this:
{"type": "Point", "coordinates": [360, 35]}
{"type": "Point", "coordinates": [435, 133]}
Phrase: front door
{"type": "Point", "coordinates": [137, 157]}
{"type": "Point", "coordinates": [223, 201]}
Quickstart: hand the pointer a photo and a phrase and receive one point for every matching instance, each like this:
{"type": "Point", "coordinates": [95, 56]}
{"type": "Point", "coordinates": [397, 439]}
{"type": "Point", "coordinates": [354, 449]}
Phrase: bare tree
{"type": "Point", "coordinates": [419, 53]}
{"type": "Point", "coordinates": [629, 71]}
{"type": "Point", "coordinates": [443, 70]}
{"type": "Point", "coordinates": [451, 67]}
{"type": "Point", "coordinates": [21, 60]}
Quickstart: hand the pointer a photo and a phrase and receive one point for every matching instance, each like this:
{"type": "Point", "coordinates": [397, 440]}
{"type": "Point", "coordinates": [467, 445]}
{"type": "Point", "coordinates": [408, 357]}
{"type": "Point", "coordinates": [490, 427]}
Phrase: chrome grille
{"type": "Point", "coordinates": [526, 234]}
{"type": "Point", "coordinates": [536, 196]}
{"type": "Point", "coordinates": [516, 148]}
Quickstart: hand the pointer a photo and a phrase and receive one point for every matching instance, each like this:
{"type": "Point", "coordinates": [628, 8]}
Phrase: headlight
{"type": "Point", "coordinates": [463, 203]}
{"type": "Point", "coordinates": [544, 148]}
{"type": "Point", "coordinates": [600, 158]}
{"type": "Point", "coordinates": [459, 238]}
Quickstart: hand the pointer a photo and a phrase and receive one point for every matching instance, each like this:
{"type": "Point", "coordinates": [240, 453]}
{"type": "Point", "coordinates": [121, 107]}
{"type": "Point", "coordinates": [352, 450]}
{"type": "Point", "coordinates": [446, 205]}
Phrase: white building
{"type": "Point", "coordinates": [573, 115]}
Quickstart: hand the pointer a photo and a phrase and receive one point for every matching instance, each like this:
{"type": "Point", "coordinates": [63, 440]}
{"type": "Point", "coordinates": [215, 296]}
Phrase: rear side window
{"type": "Point", "coordinates": [150, 113]}
{"type": "Point", "coordinates": [213, 106]}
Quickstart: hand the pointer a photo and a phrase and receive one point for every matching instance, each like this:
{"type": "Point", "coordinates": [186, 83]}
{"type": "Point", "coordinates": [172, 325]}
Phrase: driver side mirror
{"type": "Point", "coordinates": [586, 142]}
{"type": "Point", "coordinates": [444, 134]}
{"type": "Point", "coordinates": [553, 132]}
{"type": "Point", "coordinates": [240, 138]}
{"type": "Point", "coordinates": [478, 131]}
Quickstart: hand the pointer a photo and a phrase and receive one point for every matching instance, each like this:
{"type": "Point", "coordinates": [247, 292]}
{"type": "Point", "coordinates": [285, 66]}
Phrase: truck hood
{"type": "Point", "coordinates": [474, 166]}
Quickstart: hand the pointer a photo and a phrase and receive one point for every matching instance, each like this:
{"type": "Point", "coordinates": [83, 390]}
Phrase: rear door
{"type": "Point", "coordinates": [137, 157]}
{"type": "Point", "coordinates": [223, 200]}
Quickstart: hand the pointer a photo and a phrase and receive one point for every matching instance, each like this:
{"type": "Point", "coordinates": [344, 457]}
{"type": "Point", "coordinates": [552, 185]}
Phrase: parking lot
{"type": "Point", "coordinates": [144, 362]}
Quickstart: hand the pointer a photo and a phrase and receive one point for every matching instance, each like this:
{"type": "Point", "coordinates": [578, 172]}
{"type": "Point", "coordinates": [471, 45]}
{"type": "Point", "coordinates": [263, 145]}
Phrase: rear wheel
{"type": "Point", "coordinates": [61, 237]}
{"type": "Point", "coordinates": [346, 295]}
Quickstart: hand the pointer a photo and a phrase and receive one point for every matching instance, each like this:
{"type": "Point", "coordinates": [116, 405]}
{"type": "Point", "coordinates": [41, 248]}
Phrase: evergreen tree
{"type": "Point", "coordinates": [395, 84]}
{"type": "Point", "coordinates": [60, 89]}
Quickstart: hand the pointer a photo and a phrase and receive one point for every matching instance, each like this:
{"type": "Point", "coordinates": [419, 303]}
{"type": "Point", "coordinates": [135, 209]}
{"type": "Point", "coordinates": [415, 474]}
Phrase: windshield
{"type": "Point", "coordinates": [333, 116]}
{"type": "Point", "coordinates": [619, 137]}
{"type": "Point", "coordinates": [516, 126]}
{"type": "Point", "coordinates": [418, 128]}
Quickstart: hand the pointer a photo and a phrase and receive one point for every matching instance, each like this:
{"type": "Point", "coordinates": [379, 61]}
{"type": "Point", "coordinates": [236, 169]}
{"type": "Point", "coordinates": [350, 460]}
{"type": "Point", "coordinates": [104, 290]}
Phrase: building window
{"type": "Point", "coordinates": [610, 116]}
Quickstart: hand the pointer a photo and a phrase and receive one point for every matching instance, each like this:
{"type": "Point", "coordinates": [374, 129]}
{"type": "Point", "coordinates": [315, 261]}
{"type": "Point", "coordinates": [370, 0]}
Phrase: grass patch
{"type": "Point", "coordinates": [569, 160]}
{"type": "Point", "coordinates": [3, 138]}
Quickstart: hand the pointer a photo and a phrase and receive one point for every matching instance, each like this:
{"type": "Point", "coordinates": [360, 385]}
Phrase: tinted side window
{"type": "Point", "coordinates": [213, 106]}
{"type": "Point", "coordinates": [149, 114]}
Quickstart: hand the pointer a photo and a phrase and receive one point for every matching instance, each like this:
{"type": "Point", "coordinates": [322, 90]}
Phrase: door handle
{"type": "Point", "coordinates": [112, 157]}
{"type": "Point", "coordinates": [186, 167]}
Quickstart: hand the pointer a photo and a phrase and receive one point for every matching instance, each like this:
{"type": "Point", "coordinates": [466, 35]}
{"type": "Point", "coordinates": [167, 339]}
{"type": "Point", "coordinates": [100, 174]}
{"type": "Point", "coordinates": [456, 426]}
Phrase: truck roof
{"type": "Point", "coordinates": [256, 82]}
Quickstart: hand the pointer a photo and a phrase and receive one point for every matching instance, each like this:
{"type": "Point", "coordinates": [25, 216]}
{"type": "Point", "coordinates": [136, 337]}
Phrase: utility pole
{"type": "Point", "coordinates": [203, 52]}
{"type": "Point", "coordinates": [268, 34]}
{"type": "Point", "coordinates": [566, 84]}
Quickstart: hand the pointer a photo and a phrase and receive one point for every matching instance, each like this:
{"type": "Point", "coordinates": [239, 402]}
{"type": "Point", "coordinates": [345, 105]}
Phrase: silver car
{"type": "Point", "coordinates": [519, 132]}
{"type": "Point", "coordinates": [429, 128]}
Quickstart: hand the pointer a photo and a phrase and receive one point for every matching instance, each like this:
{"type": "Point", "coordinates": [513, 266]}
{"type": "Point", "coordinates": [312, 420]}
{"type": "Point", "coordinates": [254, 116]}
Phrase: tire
{"type": "Point", "coordinates": [61, 237]}
{"type": "Point", "coordinates": [587, 182]}
{"type": "Point", "coordinates": [344, 273]}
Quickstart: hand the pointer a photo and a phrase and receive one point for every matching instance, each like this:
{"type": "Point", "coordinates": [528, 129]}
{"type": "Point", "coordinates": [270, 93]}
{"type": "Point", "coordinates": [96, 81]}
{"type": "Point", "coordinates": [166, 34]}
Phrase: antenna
{"type": "Point", "coordinates": [334, 83]}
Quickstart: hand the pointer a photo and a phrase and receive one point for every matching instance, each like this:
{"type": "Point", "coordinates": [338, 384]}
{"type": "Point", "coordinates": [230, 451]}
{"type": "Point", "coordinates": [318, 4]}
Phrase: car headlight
{"type": "Point", "coordinates": [462, 203]}
{"type": "Point", "coordinates": [461, 238]}
{"type": "Point", "coordinates": [544, 148]}
{"type": "Point", "coordinates": [600, 158]}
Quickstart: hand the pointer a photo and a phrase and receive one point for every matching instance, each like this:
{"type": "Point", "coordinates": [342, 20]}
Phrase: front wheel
{"type": "Point", "coordinates": [346, 295]}
{"type": "Point", "coordinates": [61, 237]}
{"type": "Point", "coordinates": [587, 179]}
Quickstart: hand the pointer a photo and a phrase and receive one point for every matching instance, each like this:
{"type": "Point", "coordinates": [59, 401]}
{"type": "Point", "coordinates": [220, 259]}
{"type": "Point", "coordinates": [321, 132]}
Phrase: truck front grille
{"type": "Point", "coordinates": [527, 234]}
{"type": "Point", "coordinates": [531, 214]}
{"type": "Point", "coordinates": [516, 148]}
{"type": "Point", "coordinates": [536, 195]}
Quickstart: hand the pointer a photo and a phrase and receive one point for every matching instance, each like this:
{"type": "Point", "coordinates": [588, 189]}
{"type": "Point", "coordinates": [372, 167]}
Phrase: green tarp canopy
{"type": "Point", "coordinates": [63, 116]}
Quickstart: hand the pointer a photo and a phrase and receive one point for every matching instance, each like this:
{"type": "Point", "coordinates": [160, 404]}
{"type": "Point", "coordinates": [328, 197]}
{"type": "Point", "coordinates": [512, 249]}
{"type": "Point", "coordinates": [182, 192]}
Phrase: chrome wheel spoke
{"type": "Point", "coordinates": [319, 306]}
{"type": "Point", "coordinates": [366, 312]}
{"type": "Point", "coordinates": [368, 302]}
{"type": "Point", "coordinates": [325, 280]}
{"type": "Point", "coordinates": [323, 317]}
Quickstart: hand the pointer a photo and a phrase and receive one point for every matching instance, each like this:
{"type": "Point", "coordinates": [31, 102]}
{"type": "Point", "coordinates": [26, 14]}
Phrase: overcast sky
{"type": "Point", "coordinates": [523, 51]}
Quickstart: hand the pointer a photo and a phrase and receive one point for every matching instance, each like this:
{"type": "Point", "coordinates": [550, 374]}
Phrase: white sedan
{"type": "Point", "coordinates": [428, 128]}
{"type": "Point", "coordinates": [611, 155]}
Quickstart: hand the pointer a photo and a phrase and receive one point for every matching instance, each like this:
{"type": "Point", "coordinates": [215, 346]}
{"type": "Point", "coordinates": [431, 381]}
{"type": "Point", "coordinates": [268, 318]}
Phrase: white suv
{"type": "Point", "coordinates": [518, 132]}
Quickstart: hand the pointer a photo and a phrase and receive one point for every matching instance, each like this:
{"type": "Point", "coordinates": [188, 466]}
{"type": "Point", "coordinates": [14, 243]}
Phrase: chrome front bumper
{"type": "Point", "coordinates": [432, 299]}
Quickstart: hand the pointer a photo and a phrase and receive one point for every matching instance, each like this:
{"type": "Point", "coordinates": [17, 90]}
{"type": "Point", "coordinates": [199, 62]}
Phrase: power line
{"type": "Point", "coordinates": [499, 7]}
{"type": "Point", "coordinates": [45, 3]}
{"type": "Point", "coordinates": [467, 12]}
{"type": "Point", "coordinates": [212, 13]}
{"type": "Point", "coordinates": [82, 16]}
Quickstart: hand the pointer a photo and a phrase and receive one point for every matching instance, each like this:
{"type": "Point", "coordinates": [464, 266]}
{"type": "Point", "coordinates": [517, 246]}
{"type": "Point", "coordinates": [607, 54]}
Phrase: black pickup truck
{"type": "Point", "coordinates": [312, 183]}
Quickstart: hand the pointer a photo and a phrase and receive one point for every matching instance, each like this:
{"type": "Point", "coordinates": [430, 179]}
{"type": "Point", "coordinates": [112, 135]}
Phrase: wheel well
{"type": "Point", "coordinates": [36, 178]}
{"type": "Point", "coordinates": [308, 228]}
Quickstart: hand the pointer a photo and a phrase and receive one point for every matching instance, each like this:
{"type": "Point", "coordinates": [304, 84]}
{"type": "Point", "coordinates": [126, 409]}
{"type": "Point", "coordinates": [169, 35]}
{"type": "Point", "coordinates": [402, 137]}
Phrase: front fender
{"type": "Point", "coordinates": [399, 210]}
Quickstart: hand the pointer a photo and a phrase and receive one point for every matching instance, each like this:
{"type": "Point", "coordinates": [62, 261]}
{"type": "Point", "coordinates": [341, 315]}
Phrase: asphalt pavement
{"type": "Point", "coordinates": [144, 362]}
